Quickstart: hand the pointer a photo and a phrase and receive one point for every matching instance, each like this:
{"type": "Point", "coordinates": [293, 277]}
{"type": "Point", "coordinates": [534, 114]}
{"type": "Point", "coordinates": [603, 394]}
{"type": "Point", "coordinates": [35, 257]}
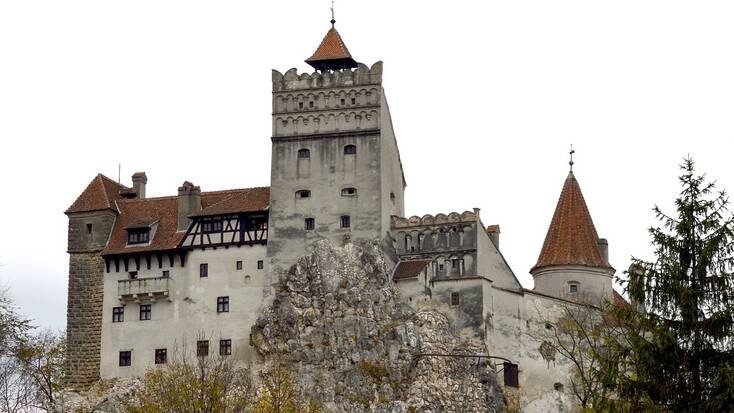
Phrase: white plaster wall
{"type": "Point", "coordinates": [191, 310]}
{"type": "Point", "coordinates": [593, 284]}
{"type": "Point", "coordinates": [491, 263]}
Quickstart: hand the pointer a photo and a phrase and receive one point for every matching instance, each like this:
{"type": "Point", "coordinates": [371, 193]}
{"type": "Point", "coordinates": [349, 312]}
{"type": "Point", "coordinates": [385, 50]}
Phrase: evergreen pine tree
{"type": "Point", "coordinates": [679, 351]}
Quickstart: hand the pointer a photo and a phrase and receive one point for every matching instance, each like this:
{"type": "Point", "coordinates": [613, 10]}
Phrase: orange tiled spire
{"type": "Point", "coordinates": [332, 53]}
{"type": "Point", "coordinates": [571, 237]}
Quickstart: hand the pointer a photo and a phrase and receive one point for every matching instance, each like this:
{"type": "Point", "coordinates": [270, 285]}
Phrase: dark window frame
{"type": "Point", "coordinates": [225, 347]}
{"type": "Point", "coordinates": [304, 153]}
{"type": "Point", "coordinates": [203, 270]}
{"type": "Point", "coordinates": [146, 312]}
{"type": "Point", "coordinates": [303, 193]}
{"type": "Point", "coordinates": [349, 191]}
{"type": "Point", "coordinates": [350, 149]}
{"type": "Point", "coordinates": [345, 221]}
{"type": "Point", "coordinates": [238, 265]}
{"type": "Point", "coordinates": [223, 304]}
{"type": "Point", "coordinates": [202, 348]}
{"type": "Point", "coordinates": [260, 264]}
{"type": "Point", "coordinates": [455, 299]}
{"type": "Point", "coordinates": [309, 224]}
{"type": "Point", "coordinates": [118, 314]}
{"type": "Point", "coordinates": [125, 358]}
{"type": "Point", "coordinates": [161, 356]}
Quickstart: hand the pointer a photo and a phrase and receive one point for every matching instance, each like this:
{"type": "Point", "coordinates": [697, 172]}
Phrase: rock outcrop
{"type": "Point", "coordinates": [339, 322]}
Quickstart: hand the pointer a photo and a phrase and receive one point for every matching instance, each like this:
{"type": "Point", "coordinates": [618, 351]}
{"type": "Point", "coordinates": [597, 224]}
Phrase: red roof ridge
{"type": "Point", "coordinates": [217, 192]}
{"type": "Point", "coordinates": [572, 238]}
{"type": "Point", "coordinates": [101, 193]}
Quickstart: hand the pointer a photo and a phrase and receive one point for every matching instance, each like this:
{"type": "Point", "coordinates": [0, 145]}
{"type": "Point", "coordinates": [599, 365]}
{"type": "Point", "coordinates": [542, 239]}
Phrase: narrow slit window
{"type": "Point", "coordinates": [310, 224]}
{"type": "Point", "coordinates": [203, 270]}
{"type": "Point", "coordinates": [349, 192]}
{"type": "Point", "coordinates": [260, 265]}
{"type": "Point", "coordinates": [89, 229]}
{"type": "Point", "coordinates": [238, 265]}
{"type": "Point", "coordinates": [345, 221]}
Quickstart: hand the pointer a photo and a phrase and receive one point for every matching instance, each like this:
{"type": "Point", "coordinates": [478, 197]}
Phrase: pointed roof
{"type": "Point", "coordinates": [332, 53]}
{"type": "Point", "coordinates": [571, 237]}
{"type": "Point", "coordinates": [100, 194]}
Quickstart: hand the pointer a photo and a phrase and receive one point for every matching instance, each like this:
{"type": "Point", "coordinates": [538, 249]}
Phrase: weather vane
{"type": "Point", "coordinates": [570, 163]}
{"type": "Point", "coordinates": [332, 14]}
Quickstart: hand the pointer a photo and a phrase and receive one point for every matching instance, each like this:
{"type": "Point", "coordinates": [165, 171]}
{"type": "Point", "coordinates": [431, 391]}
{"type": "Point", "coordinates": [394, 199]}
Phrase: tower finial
{"type": "Point", "coordinates": [332, 14]}
{"type": "Point", "coordinates": [570, 162]}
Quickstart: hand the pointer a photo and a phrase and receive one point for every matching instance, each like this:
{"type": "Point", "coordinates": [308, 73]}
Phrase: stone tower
{"type": "Point", "coordinates": [574, 261]}
{"type": "Point", "coordinates": [336, 170]}
{"type": "Point", "coordinates": [91, 218]}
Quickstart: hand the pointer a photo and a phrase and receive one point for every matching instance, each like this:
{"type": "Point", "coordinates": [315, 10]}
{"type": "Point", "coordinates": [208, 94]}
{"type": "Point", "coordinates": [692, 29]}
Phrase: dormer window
{"type": "Point", "coordinates": [211, 226]}
{"type": "Point", "coordinates": [138, 236]}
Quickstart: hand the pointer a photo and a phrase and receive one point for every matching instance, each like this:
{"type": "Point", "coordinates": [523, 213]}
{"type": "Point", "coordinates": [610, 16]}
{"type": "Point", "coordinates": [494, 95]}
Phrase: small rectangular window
{"type": "Point", "coordinates": [166, 273]}
{"type": "Point", "coordinates": [161, 356]}
{"type": "Point", "coordinates": [202, 348]}
{"type": "Point", "coordinates": [225, 347]}
{"type": "Point", "coordinates": [238, 265]}
{"type": "Point", "coordinates": [126, 358]}
{"type": "Point", "coordinates": [133, 275]}
{"type": "Point", "coordinates": [350, 150]}
{"type": "Point", "coordinates": [345, 221]}
{"type": "Point", "coordinates": [260, 265]}
{"type": "Point", "coordinates": [145, 312]}
{"type": "Point", "coordinates": [89, 229]}
{"type": "Point", "coordinates": [118, 314]}
{"type": "Point", "coordinates": [455, 299]}
{"type": "Point", "coordinates": [203, 269]}
{"type": "Point", "coordinates": [222, 304]}
{"type": "Point", "coordinates": [310, 224]}
{"type": "Point", "coordinates": [304, 153]}
{"type": "Point", "coordinates": [573, 288]}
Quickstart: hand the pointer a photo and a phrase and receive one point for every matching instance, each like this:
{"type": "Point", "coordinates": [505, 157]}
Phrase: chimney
{"type": "Point", "coordinates": [604, 249]}
{"type": "Point", "coordinates": [494, 235]}
{"type": "Point", "coordinates": [189, 202]}
{"type": "Point", "coordinates": [139, 181]}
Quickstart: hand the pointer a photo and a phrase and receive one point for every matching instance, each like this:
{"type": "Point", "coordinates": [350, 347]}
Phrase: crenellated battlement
{"type": "Point", "coordinates": [438, 219]}
{"type": "Point", "coordinates": [362, 75]}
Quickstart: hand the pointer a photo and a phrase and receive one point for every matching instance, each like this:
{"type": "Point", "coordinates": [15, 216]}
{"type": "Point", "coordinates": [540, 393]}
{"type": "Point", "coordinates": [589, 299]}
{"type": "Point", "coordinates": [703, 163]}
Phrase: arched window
{"type": "Point", "coordinates": [304, 153]}
{"type": "Point", "coordinates": [350, 150]}
{"type": "Point", "coordinates": [303, 193]}
{"type": "Point", "coordinates": [349, 191]}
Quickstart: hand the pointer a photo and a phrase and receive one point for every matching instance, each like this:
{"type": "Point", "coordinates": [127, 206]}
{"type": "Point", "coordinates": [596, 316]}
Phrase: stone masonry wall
{"type": "Point", "coordinates": [84, 319]}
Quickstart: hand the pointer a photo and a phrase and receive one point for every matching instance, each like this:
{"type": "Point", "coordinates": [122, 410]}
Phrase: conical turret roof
{"type": "Point", "coordinates": [571, 237]}
{"type": "Point", "coordinates": [332, 53]}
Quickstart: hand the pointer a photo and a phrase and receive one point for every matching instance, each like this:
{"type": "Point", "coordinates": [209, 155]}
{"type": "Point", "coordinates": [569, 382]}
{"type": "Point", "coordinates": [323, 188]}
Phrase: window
{"type": "Point", "coordinates": [260, 264]}
{"type": "Point", "coordinates": [203, 269]}
{"type": "Point", "coordinates": [310, 224]}
{"type": "Point", "coordinates": [350, 150]}
{"type": "Point", "coordinates": [455, 298]}
{"type": "Point", "coordinates": [211, 226]}
{"type": "Point", "coordinates": [304, 153]}
{"type": "Point", "coordinates": [238, 265]}
{"type": "Point", "coordinates": [145, 311]}
{"type": "Point", "coordinates": [89, 229]}
{"type": "Point", "coordinates": [133, 275]}
{"type": "Point", "coordinates": [354, 101]}
{"type": "Point", "coordinates": [161, 356]}
{"type": "Point", "coordinates": [202, 348]}
{"type": "Point", "coordinates": [573, 288]}
{"type": "Point", "coordinates": [310, 104]}
{"type": "Point", "coordinates": [342, 102]}
{"type": "Point", "coordinates": [118, 314]}
{"type": "Point", "coordinates": [166, 273]}
{"type": "Point", "coordinates": [126, 358]}
{"type": "Point", "coordinates": [392, 196]}
{"type": "Point", "coordinates": [344, 221]}
{"type": "Point", "coordinates": [303, 193]}
{"type": "Point", "coordinates": [349, 192]}
{"type": "Point", "coordinates": [300, 105]}
{"type": "Point", "coordinates": [225, 347]}
{"type": "Point", "coordinates": [138, 235]}
{"type": "Point", "coordinates": [222, 304]}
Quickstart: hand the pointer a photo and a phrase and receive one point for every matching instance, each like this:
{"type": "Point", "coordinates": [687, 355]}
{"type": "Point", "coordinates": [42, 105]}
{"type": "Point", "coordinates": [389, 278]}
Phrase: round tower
{"type": "Point", "coordinates": [573, 263]}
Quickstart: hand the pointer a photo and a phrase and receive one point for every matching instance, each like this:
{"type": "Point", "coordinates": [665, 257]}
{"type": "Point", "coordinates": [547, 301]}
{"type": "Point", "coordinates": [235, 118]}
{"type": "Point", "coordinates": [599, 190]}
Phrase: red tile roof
{"type": "Point", "coordinates": [245, 200]}
{"type": "Point", "coordinates": [409, 269]}
{"type": "Point", "coordinates": [331, 48]}
{"type": "Point", "coordinates": [571, 237]}
{"type": "Point", "coordinates": [100, 194]}
{"type": "Point", "coordinates": [133, 212]}
{"type": "Point", "coordinates": [493, 228]}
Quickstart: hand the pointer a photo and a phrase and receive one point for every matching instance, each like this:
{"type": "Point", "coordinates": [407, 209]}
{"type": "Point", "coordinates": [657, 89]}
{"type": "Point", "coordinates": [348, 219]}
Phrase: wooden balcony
{"type": "Point", "coordinates": [143, 289]}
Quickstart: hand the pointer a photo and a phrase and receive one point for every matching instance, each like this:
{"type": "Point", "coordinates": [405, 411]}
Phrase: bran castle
{"type": "Point", "coordinates": [144, 271]}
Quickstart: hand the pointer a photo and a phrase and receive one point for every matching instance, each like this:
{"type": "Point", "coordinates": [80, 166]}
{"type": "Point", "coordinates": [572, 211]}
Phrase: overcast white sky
{"type": "Point", "coordinates": [486, 97]}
